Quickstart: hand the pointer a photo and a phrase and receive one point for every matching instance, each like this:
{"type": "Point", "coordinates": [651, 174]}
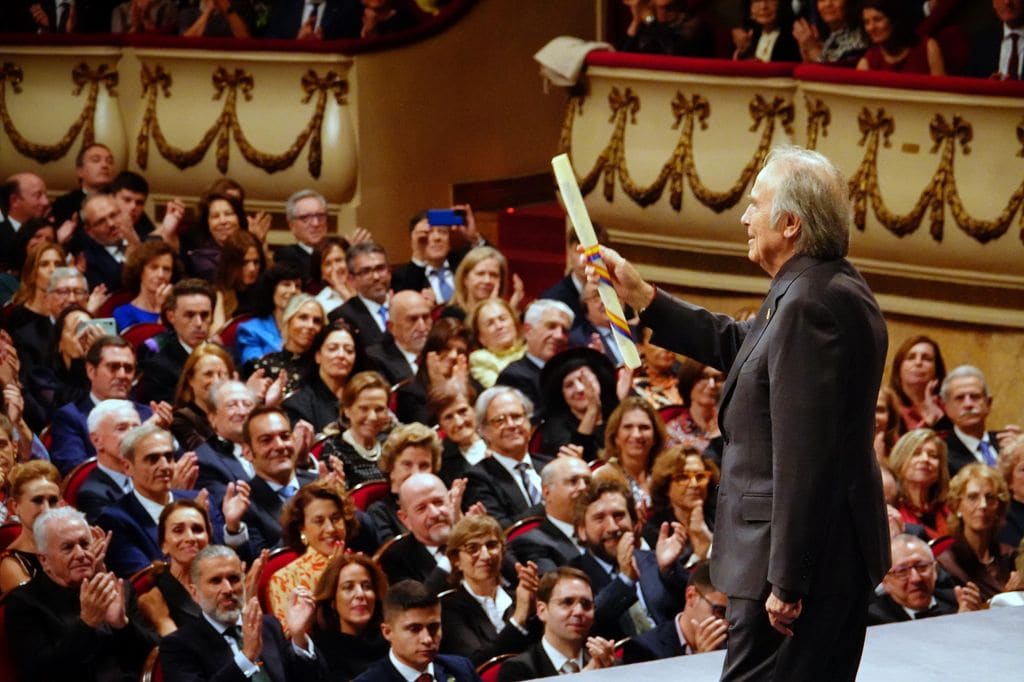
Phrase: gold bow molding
{"type": "Point", "coordinates": [876, 128]}
{"type": "Point", "coordinates": [226, 85]}
{"type": "Point", "coordinates": [82, 76]}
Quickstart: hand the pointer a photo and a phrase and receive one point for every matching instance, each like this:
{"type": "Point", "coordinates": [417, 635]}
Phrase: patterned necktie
{"type": "Point", "coordinates": [443, 287]}
{"type": "Point", "coordinates": [531, 489]}
{"type": "Point", "coordinates": [986, 452]}
{"type": "Point", "coordinates": [569, 667]}
{"type": "Point", "coordinates": [1013, 63]}
{"type": "Point", "coordinates": [382, 313]}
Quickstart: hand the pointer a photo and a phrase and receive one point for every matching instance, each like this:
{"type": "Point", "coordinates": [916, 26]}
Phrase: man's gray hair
{"type": "Point", "coordinates": [131, 439]}
{"type": "Point", "coordinates": [810, 187]}
{"type": "Point", "coordinates": [289, 207]}
{"type": "Point", "coordinates": [40, 528]}
{"type": "Point", "coordinates": [488, 396]}
{"type": "Point", "coordinates": [962, 372]}
{"type": "Point", "coordinates": [213, 397]}
{"type": "Point", "coordinates": [209, 552]}
{"type": "Point", "coordinates": [908, 540]}
{"type": "Point", "coordinates": [536, 310]}
{"type": "Point", "coordinates": [106, 408]}
{"type": "Point", "coordinates": [63, 273]}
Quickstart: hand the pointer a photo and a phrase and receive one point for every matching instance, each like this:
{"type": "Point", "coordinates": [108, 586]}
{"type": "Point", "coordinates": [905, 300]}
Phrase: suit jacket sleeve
{"type": "Point", "coordinates": [707, 337]}
{"type": "Point", "coordinates": [125, 555]}
{"type": "Point", "coordinates": [69, 446]}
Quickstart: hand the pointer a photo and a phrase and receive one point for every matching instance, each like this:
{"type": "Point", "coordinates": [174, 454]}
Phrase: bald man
{"type": "Point", "coordinates": [409, 322]}
{"type": "Point", "coordinates": [23, 198]}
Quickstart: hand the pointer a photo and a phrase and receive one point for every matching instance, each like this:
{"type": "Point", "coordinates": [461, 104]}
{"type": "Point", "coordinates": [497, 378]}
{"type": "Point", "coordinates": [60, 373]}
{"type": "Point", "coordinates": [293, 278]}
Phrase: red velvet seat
{"type": "Point", "coordinates": [74, 480]}
{"type": "Point", "coordinates": [522, 527]}
{"type": "Point", "coordinates": [229, 332]}
{"type": "Point", "coordinates": [488, 670]}
{"type": "Point", "coordinates": [117, 299]}
{"type": "Point", "coordinates": [278, 559]}
{"type": "Point", "coordinates": [368, 492]}
{"type": "Point", "coordinates": [9, 532]}
{"type": "Point", "coordinates": [137, 334]}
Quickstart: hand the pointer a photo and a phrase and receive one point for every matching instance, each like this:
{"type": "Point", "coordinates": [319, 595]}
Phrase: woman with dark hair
{"type": "Point", "coordinates": [633, 439]}
{"type": "Point", "coordinates": [150, 268]}
{"type": "Point", "coordinates": [365, 414]}
{"type": "Point", "coordinates": [61, 378]}
{"type": "Point", "coordinates": [329, 269]}
{"type": "Point", "coordinates": [684, 484]}
{"type": "Point", "coordinates": [917, 372]}
{"type": "Point", "coordinates": [32, 232]}
{"type": "Point", "coordinates": [346, 630]}
{"type": "Point", "coordinates": [262, 334]}
{"type": "Point", "coordinates": [836, 37]}
{"type": "Point", "coordinates": [579, 389]}
{"type": "Point", "coordinates": [335, 359]}
{"type": "Point", "coordinates": [888, 423]}
{"type": "Point", "coordinates": [918, 461]}
{"type": "Point", "coordinates": [301, 321]}
{"type": "Point", "coordinates": [220, 216]}
{"type": "Point", "coordinates": [767, 34]}
{"type": "Point", "coordinates": [241, 263]}
{"type": "Point", "coordinates": [315, 524]}
{"type": "Point", "coordinates": [452, 405]}
{"type": "Point", "coordinates": [895, 45]}
{"type": "Point", "coordinates": [683, 28]}
{"type": "Point", "coordinates": [696, 425]}
{"type": "Point", "coordinates": [444, 357]}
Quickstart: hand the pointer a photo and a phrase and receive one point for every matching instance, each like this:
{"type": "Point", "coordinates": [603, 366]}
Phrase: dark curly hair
{"type": "Point", "coordinates": [293, 516]}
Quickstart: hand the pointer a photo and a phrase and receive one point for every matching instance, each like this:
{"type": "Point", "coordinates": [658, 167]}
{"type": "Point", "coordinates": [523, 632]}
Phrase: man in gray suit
{"type": "Point", "coordinates": [801, 535]}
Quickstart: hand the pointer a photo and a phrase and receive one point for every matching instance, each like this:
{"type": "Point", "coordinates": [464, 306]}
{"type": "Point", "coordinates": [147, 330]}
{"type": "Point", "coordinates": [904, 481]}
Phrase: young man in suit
{"type": "Point", "coordinates": [412, 626]}
{"type": "Point", "coordinates": [800, 537]}
{"type": "Point", "coordinates": [965, 398]}
{"type": "Point", "coordinates": [426, 510]}
{"type": "Point", "coordinates": [234, 640]}
{"type": "Point", "coordinates": [565, 604]}
{"type": "Point", "coordinates": [370, 276]}
{"type": "Point", "coordinates": [94, 167]}
{"type": "Point", "coordinates": [109, 481]}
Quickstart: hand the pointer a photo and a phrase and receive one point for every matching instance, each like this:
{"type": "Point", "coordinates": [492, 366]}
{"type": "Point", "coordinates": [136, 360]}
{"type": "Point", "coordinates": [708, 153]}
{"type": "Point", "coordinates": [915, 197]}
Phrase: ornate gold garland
{"type": "Point", "coordinates": [611, 162]}
{"type": "Point", "coordinates": [819, 117]}
{"type": "Point", "coordinates": [227, 125]}
{"type": "Point", "coordinates": [81, 76]}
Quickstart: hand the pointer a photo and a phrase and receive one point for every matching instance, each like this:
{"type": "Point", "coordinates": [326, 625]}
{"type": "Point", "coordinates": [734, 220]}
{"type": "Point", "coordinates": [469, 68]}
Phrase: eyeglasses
{"type": "Point", "coordinates": [473, 549]}
{"type": "Point", "coordinates": [988, 499]}
{"type": "Point", "coordinates": [903, 572]}
{"type": "Point", "coordinates": [568, 602]}
{"type": "Point", "coordinates": [312, 218]}
{"type": "Point", "coordinates": [65, 292]}
{"type": "Point", "coordinates": [717, 610]}
{"type": "Point", "coordinates": [698, 477]}
{"type": "Point", "coordinates": [513, 418]}
{"type": "Point", "coordinates": [371, 270]}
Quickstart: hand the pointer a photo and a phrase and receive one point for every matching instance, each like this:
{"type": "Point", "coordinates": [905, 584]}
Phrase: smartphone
{"type": "Point", "coordinates": [106, 324]}
{"type": "Point", "coordinates": [445, 217]}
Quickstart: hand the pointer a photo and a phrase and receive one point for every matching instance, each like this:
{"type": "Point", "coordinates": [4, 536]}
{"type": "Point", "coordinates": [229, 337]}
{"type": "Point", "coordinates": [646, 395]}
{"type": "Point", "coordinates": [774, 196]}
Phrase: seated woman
{"type": "Point", "coordinates": [364, 407]}
{"type": "Point", "coordinates": [452, 403]}
{"type": "Point", "coordinates": [495, 326]}
{"type": "Point", "coordinates": [346, 629]}
{"type": "Point", "coordinates": [482, 274]}
{"type": "Point", "coordinates": [207, 365]}
{"type": "Point", "coordinates": [1011, 465]}
{"type": "Point", "coordinates": [697, 425]}
{"type": "Point", "coordinates": [888, 424]}
{"type": "Point", "coordinates": [579, 385]}
{"type": "Point", "coordinates": [684, 484]}
{"type": "Point", "coordinates": [633, 439]}
{"type": "Point", "coordinates": [33, 488]}
{"type": "Point", "coordinates": [156, 16]}
{"type": "Point", "coordinates": [683, 28]}
{"type": "Point", "coordinates": [335, 356]}
{"type": "Point", "coordinates": [918, 461]}
{"type": "Point", "coordinates": [917, 372]}
{"type": "Point", "coordinates": [445, 357]}
{"type": "Point", "coordinates": [262, 334]}
{"type": "Point", "coordinates": [241, 263]}
{"type": "Point", "coordinates": [657, 379]}
{"type": "Point", "coordinates": [835, 38]}
{"type": "Point", "coordinates": [315, 524]}
{"type": "Point", "coordinates": [60, 379]}
{"type": "Point", "coordinates": [895, 45]}
{"type": "Point", "coordinates": [410, 449]}
{"type": "Point", "coordinates": [768, 33]}
{"type": "Point", "coordinates": [32, 232]}
{"type": "Point", "coordinates": [301, 321]}
{"type": "Point", "coordinates": [182, 531]}
{"type": "Point", "coordinates": [28, 317]}
{"type": "Point", "coordinates": [330, 270]}
{"type": "Point", "coordinates": [978, 499]}
{"type": "Point", "coordinates": [220, 216]}
{"type": "Point", "coordinates": [482, 617]}
{"type": "Point", "coordinates": [150, 268]}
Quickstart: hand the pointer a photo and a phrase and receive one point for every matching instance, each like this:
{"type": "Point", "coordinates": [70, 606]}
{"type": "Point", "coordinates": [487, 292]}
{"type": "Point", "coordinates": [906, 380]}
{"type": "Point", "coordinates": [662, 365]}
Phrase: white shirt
{"type": "Point", "coordinates": [765, 45]}
{"type": "Point", "coordinates": [410, 674]}
{"type": "Point", "coordinates": [409, 357]}
{"type": "Point", "coordinates": [329, 299]}
{"type": "Point", "coordinates": [116, 251]}
{"type": "Point", "coordinates": [495, 607]}
{"type": "Point", "coordinates": [440, 558]}
{"type": "Point", "coordinates": [510, 466]}
{"type": "Point", "coordinates": [567, 530]}
{"type": "Point", "coordinates": [556, 657]}
{"type": "Point", "coordinates": [307, 11]}
{"type": "Point", "coordinates": [1007, 45]}
{"type": "Point", "coordinates": [974, 444]}
{"type": "Point", "coordinates": [476, 452]}
{"type": "Point", "coordinates": [15, 225]}
{"type": "Point", "coordinates": [247, 466]}
{"type": "Point", "coordinates": [913, 614]}
{"type": "Point", "coordinates": [374, 309]}
{"type": "Point", "coordinates": [152, 508]}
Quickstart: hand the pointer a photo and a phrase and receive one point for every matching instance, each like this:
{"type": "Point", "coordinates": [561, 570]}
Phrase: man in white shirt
{"type": "Point", "coordinates": [370, 277]}
{"type": "Point", "coordinates": [409, 322]}
{"type": "Point", "coordinates": [108, 422]}
{"type": "Point", "coordinates": [425, 507]}
{"type": "Point", "coordinates": [965, 398]}
{"type": "Point", "coordinates": [307, 215]}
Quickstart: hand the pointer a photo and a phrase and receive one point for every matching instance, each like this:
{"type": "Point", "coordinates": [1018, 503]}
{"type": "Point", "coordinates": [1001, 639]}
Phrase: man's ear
{"type": "Point", "coordinates": [542, 612]}
{"type": "Point", "coordinates": [791, 225]}
{"type": "Point", "coordinates": [385, 629]}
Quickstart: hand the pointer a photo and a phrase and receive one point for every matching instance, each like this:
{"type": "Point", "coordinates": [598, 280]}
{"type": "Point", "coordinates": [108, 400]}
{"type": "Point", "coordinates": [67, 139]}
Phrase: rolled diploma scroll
{"type": "Point", "coordinates": [573, 200]}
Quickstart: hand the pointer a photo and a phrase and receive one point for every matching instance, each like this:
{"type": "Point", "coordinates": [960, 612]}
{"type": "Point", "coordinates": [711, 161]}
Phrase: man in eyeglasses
{"type": "Point", "coordinates": [306, 211]}
{"type": "Point", "coordinates": [370, 276]}
{"type": "Point", "coordinates": [565, 604]}
{"type": "Point", "coordinates": [910, 592]}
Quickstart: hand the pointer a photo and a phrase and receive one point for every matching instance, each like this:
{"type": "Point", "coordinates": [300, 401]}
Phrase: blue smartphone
{"type": "Point", "coordinates": [445, 217]}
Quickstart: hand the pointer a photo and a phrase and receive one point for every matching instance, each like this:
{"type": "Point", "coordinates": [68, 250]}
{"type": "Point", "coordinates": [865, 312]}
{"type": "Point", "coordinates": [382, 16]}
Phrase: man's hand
{"type": "Point", "coordinates": [782, 614]}
{"type": "Point", "coordinates": [624, 555]}
{"type": "Point", "coordinates": [98, 548]}
{"type": "Point", "coordinates": [97, 297]}
{"type": "Point", "coordinates": [235, 504]}
{"type": "Point", "coordinates": [299, 616]}
{"type": "Point", "coordinates": [968, 598]}
{"type": "Point", "coordinates": [711, 632]}
{"type": "Point", "coordinates": [602, 653]}
{"type": "Point", "coordinates": [455, 495]}
{"type": "Point", "coordinates": [629, 285]}
{"type": "Point", "coordinates": [115, 616]}
{"type": "Point", "coordinates": [252, 630]}
{"type": "Point", "coordinates": [252, 575]}
{"type": "Point", "coordinates": [95, 597]}
{"type": "Point", "coordinates": [39, 16]}
{"type": "Point", "coordinates": [275, 392]}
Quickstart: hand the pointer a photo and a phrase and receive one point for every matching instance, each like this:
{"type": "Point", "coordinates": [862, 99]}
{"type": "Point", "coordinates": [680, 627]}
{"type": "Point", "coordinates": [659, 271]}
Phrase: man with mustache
{"type": "Point", "coordinates": [425, 507]}
{"type": "Point", "coordinates": [73, 620]}
{"type": "Point", "coordinates": [965, 398]}
{"type": "Point", "coordinates": [234, 640]}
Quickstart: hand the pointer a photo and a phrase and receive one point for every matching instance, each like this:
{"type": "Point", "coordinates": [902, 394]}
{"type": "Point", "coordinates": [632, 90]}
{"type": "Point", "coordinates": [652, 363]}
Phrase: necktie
{"type": "Point", "coordinates": [1013, 63]}
{"type": "Point", "coordinates": [986, 452]}
{"type": "Point", "coordinates": [287, 491]}
{"type": "Point", "coordinates": [445, 289]}
{"type": "Point", "coordinates": [235, 633]}
{"type": "Point", "coordinates": [425, 677]}
{"type": "Point", "coordinates": [569, 667]}
{"type": "Point", "coordinates": [63, 13]}
{"type": "Point", "coordinates": [531, 489]}
{"type": "Point", "coordinates": [382, 312]}
{"type": "Point", "coordinates": [314, 11]}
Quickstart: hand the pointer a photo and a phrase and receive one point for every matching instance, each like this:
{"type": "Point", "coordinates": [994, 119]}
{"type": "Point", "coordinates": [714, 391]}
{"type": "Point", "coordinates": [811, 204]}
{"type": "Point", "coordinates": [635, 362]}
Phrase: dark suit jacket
{"type": "Point", "coordinates": [524, 375]}
{"type": "Point", "coordinates": [97, 492]}
{"type": "Point", "coordinates": [387, 358]}
{"type": "Point", "coordinates": [314, 402]}
{"type": "Point", "coordinates": [67, 205]}
{"type": "Point", "coordinates": [661, 642]}
{"type": "Point", "coordinates": [217, 468]}
{"type": "Point", "coordinates": [491, 483]}
{"type": "Point", "coordinates": [408, 558]}
{"type": "Point", "coordinates": [384, 513]}
{"type": "Point", "coordinates": [467, 631]}
{"type": "Point", "coordinates": [807, 374]}
{"type": "Point", "coordinates": [340, 19]}
{"type": "Point", "coordinates": [529, 665]}
{"type": "Point", "coordinates": [100, 266]}
{"type": "Point", "coordinates": [263, 516]}
{"type": "Point", "coordinates": [957, 454]}
{"type": "Point", "coordinates": [409, 276]}
{"type": "Point", "coordinates": [71, 444]}
{"type": "Point", "coordinates": [565, 290]}
{"type": "Point", "coordinates": [884, 610]}
{"type": "Point", "coordinates": [446, 668]}
{"type": "Point", "coordinates": [48, 640]}
{"type": "Point", "coordinates": [362, 322]}
{"type": "Point", "coordinates": [785, 49]}
{"type": "Point", "coordinates": [293, 253]}
{"type": "Point", "coordinates": [985, 47]}
{"type": "Point", "coordinates": [161, 360]}
{"type": "Point", "coordinates": [453, 463]}
{"type": "Point", "coordinates": [196, 652]}
{"type": "Point", "coordinates": [546, 546]}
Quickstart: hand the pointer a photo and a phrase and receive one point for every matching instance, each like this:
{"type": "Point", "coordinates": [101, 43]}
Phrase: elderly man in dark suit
{"type": "Point", "coordinates": [409, 321]}
{"type": "Point", "coordinates": [221, 458]}
{"type": "Point", "coordinates": [315, 19]}
{"type": "Point", "coordinates": [104, 243]}
{"type": "Point", "coordinates": [546, 328]}
{"type": "Point", "coordinates": [965, 399]}
{"type": "Point", "coordinates": [370, 275]}
{"type": "Point", "coordinates": [801, 534]}
{"type": "Point", "coordinates": [425, 508]}
{"type": "Point", "coordinates": [998, 52]}
{"type": "Point", "coordinates": [94, 167]}
{"type": "Point", "coordinates": [307, 215]}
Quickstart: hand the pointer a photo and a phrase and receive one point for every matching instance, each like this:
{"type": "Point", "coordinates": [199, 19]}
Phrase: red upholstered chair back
{"type": "Point", "coordinates": [383, 549]}
{"type": "Point", "coordinates": [522, 526]}
{"type": "Point", "coordinates": [144, 579]}
{"type": "Point", "coordinates": [620, 649]}
{"type": "Point", "coordinates": [368, 492]}
{"type": "Point", "coordinates": [670, 412]}
{"type": "Point", "coordinates": [488, 670]}
{"type": "Point", "coordinates": [117, 299]}
{"type": "Point", "coordinates": [137, 334]}
{"type": "Point", "coordinates": [277, 560]}
{"type": "Point", "coordinates": [229, 332]}
{"type": "Point", "coordinates": [9, 532]}
{"type": "Point", "coordinates": [74, 480]}
{"type": "Point", "coordinates": [536, 438]}
{"type": "Point", "coordinates": [151, 669]}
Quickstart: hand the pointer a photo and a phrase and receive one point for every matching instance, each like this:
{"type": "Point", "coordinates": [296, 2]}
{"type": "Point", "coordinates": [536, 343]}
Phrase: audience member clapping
{"type": "Point", "coordinates": [410, 449]}
{"type": "Point", "coordinates": [672, 27]}
{"type": "Point", "coordinates": [918, 461]}
{"type": "Point", "coordinates": [684, 485]}
{"type": "Point", "coordinates": [220, 216]}
{"type": "Point", "coordinates": [429, 511]}
{"type": "Point", "coordinates": [61, 378]}
{"type": "Point", "coordinates": [145, 16]}
{"type": "Point", "coordinates": [452, 403]}
{"type": "Point", "coordinates": [109, 481]}
{"type": "Point", "coordinates": [1011, 465]}
{"type": "Point", "coordinates": [329, 270]}
{"type": "Point", "coordinates": [917, 372]}
{"type": "Point", "coordinates": [263, 333]}
{"type": "Point", "coordinates": [836, 37]}
{"type": "Point", "coordinates": [657, 380]}
{"type": "Point", "coordinates": [767, 35]}
{"type": "Point", "coordinates": [444, 358]}
{"type": "Point", "coordinates": [300, 323]}
{"type": "Point", "coordinates": [215, 19]}
{"type": "Point", "coordinates": [370, 275]}
{"type": "Point", "coordinates": [239, 267]}
{"type": "Point", "coordinates": [482, 274]}
{"type": "Point", "coordinates": [697, 424]}
{"type": "Point", "coordinates": [580, 389]}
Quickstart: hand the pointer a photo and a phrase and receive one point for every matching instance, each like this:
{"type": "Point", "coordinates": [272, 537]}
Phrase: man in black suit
{"type": "Point", "coordinates": [508, 482]}
{"type": "Point", "coordinates": [426, 510]}
{"type": "Point", "coordinates": [432, 266]}
{"type": "Point", "coordinates": [109, 481]}
{"type": "Point", "coordinates": [188, 311]}
{"type": "Point", "coordinates": [554, 543]}
{"type": "Point", "coordinates": [412, 626]}
{"type": "Point", "coordinates": [370, 276]}
{"type": "Point", "coordinates": [315, 19]}
{"type": "Point", "coordinates": [70, 622]}
{"type": "Point", "coordinates": [569, 289]}
{"type": "Point", "coordinates": [409, 322]}
{"type": "Point", "coordinates": [306, 211]}
{"type": "Point", "coordinates": [565, 604]}
{"type": "Point", "coordinates": [998, 52]}
{"type": "Point", "coordinates": [800, 537]}
{"type": "Point", "coordinates": [94, 166]}
{"type": "Point", "coordinates": [700, 627]}
{"type": "Point", "coordinates": [24, 198]}
{"type": "Point", "coordinates": [104, 244]}
{"type": "Point", "coordinates": [222, 459]}
{"type": "Point", "coordinates": [546, 328]}
{"type": "Point", "coordinates": [965, 398]}
{"type": "Point", "coordinates": [234, 640]}
{"type": "Point", "coordinates": [909, 587]}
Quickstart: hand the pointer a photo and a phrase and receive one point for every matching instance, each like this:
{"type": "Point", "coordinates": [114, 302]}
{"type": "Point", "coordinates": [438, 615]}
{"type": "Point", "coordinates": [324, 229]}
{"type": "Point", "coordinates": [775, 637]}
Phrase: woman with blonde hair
{"type": "Point", "coordinates": [499, 335]}
{"type": "Point", "coordinates": [482, 274]}
{"type": "Point", "coordinates": [918, 461]}
{"type": "Point", "coordinates": [1011, 465]}
{"type": "Point", "coordinates": [34, 488]}
{"type": "Point", "coordinates": [301, 322]}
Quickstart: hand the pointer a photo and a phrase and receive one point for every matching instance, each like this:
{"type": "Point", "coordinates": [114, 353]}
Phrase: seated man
{"type": "Point", "coordinates": [370, 276]}
{"type": "Point", "coordinates": [412, 626]}
{"type": "Point", "coordinates": [431, 269]}
{"type": "Point", "coordinates": [546, 328]}
{"type": "Point", "coordinates": [909, 587]}
{"type": "Point", "coordinates": [234, 640]}
{"type": "Point", "coordinates": [105, 242]}
{"type": "Point", "coordinates": [700, 627]}
{"type": "Point", "coordinates": [508, 482]}
{"type": "Point", "coordinates": [109, 481]}
{"type": "Point", "coordinates": [312, 20]}
{"type": "Point", "coordinates": [997, 50]}
{"type": "Point", "coordinates": [306, 210]}
{"type": "Point", "coordinates": [426, 510]}
{"type": "Point", "coordinates": [94, 167]}
{"type": "Point", "coordinates": [148, 452]}
{"type": "Point", "coordinates": [222, 459]}
{"type": "Point", "coordinates": [70, 622]}
{"type": "Point", "coordinates": [409, 323]}
{"type": "Point", "coordinates": [554, 542]}
{"type": "Point", "coordinates": [565, 604]}
{"type": "Point", "coordinates": [23, 198]}
{"type": "Point", "coordinates": [967, 403]}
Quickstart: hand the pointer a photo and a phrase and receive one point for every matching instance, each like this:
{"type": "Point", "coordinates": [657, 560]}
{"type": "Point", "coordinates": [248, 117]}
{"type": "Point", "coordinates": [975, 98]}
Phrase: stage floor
{"type": "Point", "coordinates": [983, 645]}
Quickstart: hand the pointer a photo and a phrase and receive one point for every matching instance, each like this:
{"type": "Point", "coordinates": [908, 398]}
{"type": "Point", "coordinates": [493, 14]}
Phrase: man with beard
{"type": "Point", "coordinates": [72, 620]}
{"type": "Point", "coordinates": [234, 640]}
{"type": "Point", "coordinates": [425, 507]}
